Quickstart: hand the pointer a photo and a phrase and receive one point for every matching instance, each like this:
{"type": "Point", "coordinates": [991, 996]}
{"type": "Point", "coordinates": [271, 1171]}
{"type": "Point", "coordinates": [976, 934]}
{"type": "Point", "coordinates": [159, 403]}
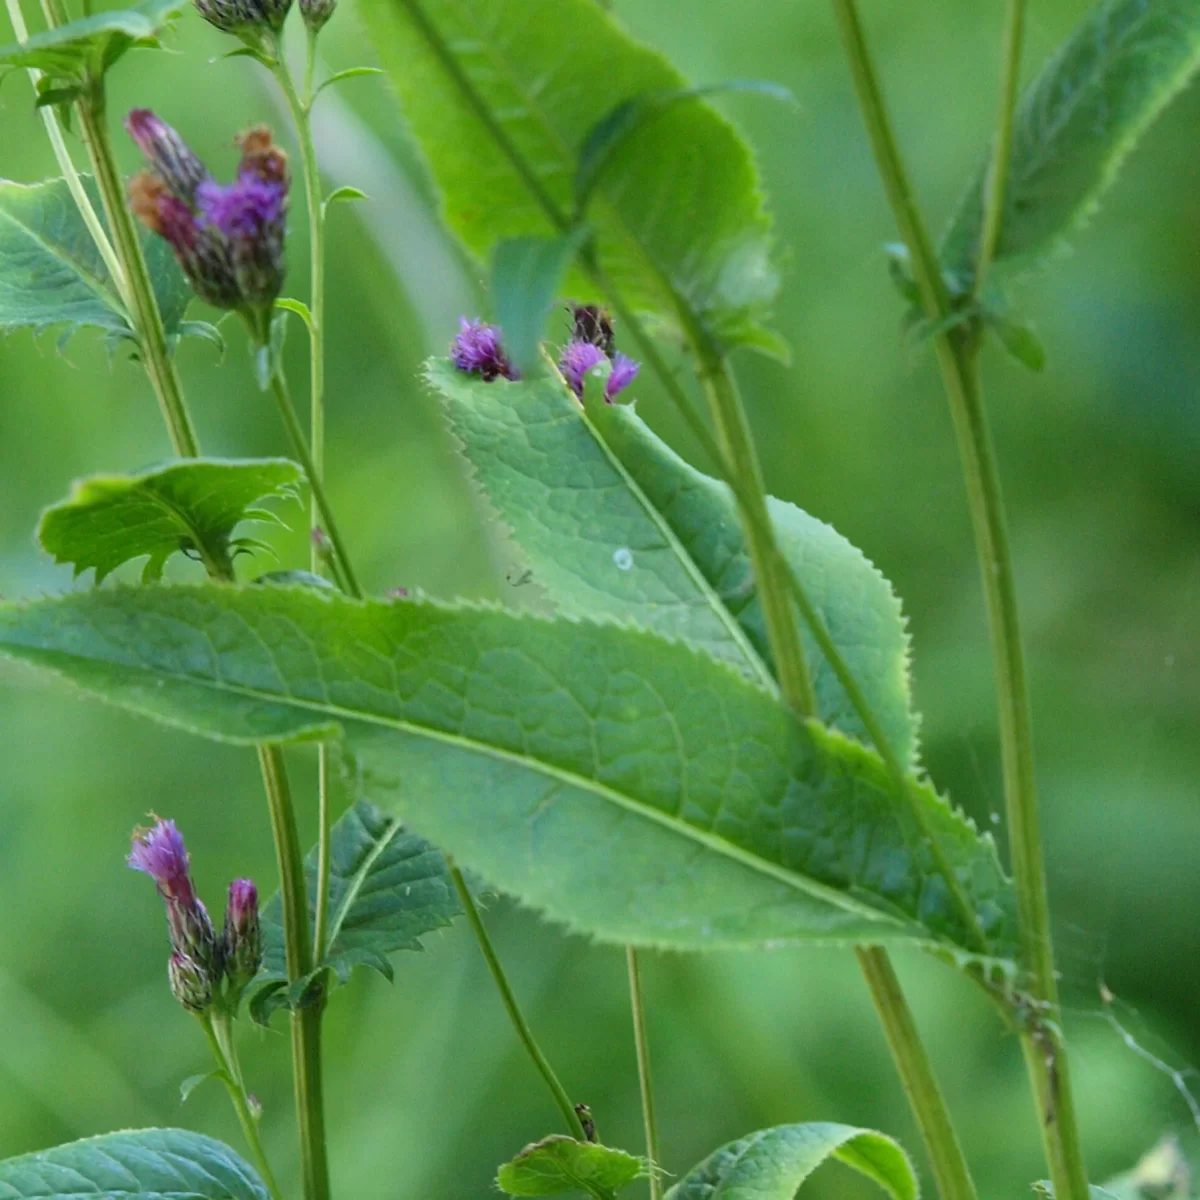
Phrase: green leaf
{"type": "Point", "coordinates": [192, 1082]}
{"type": "Point", "coordinates": [774, 1163]}
{"type": "Point", "coordinates": [547, 73]}
{"type": "Point", "coordinates": [83, 50]}
{"type": "Point", "coordinates": [557, 1165]}
{"type": "Point", "coordinates": [341, 76]}
{"type": "Point", "coordinates": [141, 1164]}
{"type": "Point", "coordinates": [628, 786]}
{"type": "Point", "coordinates": [1017, 337]}
{"type": "Point", "coordinates": [526, 278]}
{"type": "Point", "coordinates": [52, 274]}
{"type": "Point", "coordinates": [612, 522]}
{"type": "Point", "coordinates": [1076, 123]}
{"type": "Point", "coordinates": [1162, 1173]}
{"type": "Point", "coordinates": [342, 195]}
{"type": "Point", "coordinates": [1045, 1189]}
{"type": "Point", "coordinates": [387, 889]}
{"type": "Point", "coordinates": [191, 506]}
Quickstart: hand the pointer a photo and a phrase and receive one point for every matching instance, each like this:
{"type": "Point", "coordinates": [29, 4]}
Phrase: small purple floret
{"type": "Point", "coordinates": [160, 852]}
{"type": "Point", "coordinates": [244, 208]}
{"type": "Point", "coordinates": [477, 350]}
{"type": "Point", "coordinates": [624, 372]}
{"type": "Point", "coordinates": [578, 358]}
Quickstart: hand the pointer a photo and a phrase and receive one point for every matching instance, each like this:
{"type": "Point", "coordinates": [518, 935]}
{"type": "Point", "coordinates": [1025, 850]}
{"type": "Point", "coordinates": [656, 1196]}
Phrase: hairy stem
{"type": "Point", "coordinates": [152, 336]}
{"type": "Point", "coordinates": [524, 1033]}
{"type": "Point", "coordinates": [916, 1073]}
{"type": "Point", "coordinates": [997, 177]}
{"type": "Point", "coordinates": [220, 1040]}
{"type": "Point", "coordinates": [645, 1078]}
{"type": "Point", "coordinates": [1045, 1052]}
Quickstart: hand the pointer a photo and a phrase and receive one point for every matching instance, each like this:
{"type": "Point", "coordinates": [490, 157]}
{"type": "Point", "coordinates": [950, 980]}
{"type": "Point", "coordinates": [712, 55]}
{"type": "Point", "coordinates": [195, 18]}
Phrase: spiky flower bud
{"type": "Point", "coordinates": [477, 351]}
{"type": "Point", "coordinates": [160, 853]}
{"type": "Point", "coordinates": [316, 13]}
{"type": "Point", "coordinates": [578, 358]}
{"type": "Point", "coordinates": [245, 18]}
{"type": "Point", "coordinates": [228, 238]}
{"type": "Point", "coordinates": [191, 984]}
{"type": "Point", "coordinates": [242, 936]}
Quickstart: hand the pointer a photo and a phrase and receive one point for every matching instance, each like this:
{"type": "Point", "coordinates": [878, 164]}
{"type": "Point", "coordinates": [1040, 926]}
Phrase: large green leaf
{"type": "Point", "coordinates": [677, 211]}
{"type": "Point", "coordinates": [140, 1164]}
{"type": "Point", "coordinates": [559, 1165]}
{"type": "Point", "coordinates": [191, 506]}
{"type": "Point", "coordinates": [52, 274]}
{"type": "Point", "coordinates": [387, 889]}
{"type": "Point", "coordinates": [613, 522]}
{"type": "Point", "coordinates": [1076, 123]}
{"type": "Point", "coordinates": [84, 49]}
{"type": "Point", "coordinates": [774, 1163]}
{"type": "Point", "coordinates": [631, 787]}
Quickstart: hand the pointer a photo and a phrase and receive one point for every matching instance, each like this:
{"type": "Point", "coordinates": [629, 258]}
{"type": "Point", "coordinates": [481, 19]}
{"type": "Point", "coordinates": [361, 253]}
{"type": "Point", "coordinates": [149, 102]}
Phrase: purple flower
{"type": "Point", "coordinates": [228, 238]}
{"type": "Point", "coordinates": [242, 937]}
{"type": "Point", "coordinates": [477, 351]}
{"type": "Point", "coordinates": [624, 372]}
{"type": "Point", "coordinates": [160, 852]}
{"type": "Point", "coordinates": [578, 358]}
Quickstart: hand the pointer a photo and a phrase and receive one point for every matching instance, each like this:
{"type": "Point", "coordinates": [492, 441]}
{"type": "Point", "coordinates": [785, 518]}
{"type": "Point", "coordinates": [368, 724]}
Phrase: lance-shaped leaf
{"type": "Point", "coordinates": [774, 1163]}
{"type": "Point", "coordinates": [613, 522]}
{"type": "Point", "coordinates": [559, 1165]}
{"type": "Point", "coordinates": [1076, 123]}
{"type": "Point", "coordinates": [634, 788]}
{"type": "Point", "coordinates": [677, 211]}
{"type": "Point", "coordinates": [140, 1164]}
{"type": "Point", "coordinates": [191, 506]}
{"type": "Point", "coordinates": [84, 49]}
{"type": "Point", "coordinates": [52, 274]}
{"type": "Point", "coordinates": [387, 889]}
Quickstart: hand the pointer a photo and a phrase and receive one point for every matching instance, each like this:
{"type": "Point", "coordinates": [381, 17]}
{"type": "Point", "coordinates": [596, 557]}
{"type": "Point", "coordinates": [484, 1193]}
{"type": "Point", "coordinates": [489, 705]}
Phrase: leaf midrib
{"type": "Point", "coordinates": [395, 827]}
{"type": "Point", "coordinates": [337, 714]}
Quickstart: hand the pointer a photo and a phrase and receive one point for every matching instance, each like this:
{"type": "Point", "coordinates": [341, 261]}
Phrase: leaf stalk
{"type": "Point", "coordinates": [641, 1042]}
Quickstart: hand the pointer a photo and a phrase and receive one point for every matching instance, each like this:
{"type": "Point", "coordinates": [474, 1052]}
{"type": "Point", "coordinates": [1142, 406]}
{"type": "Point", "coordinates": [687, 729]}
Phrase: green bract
{"type": "Point", "coordinates": [629, 786]}
{"type": "Point", "coordinates": [773, 1163]}
{"type": "Point", "coordinates": [191, 506]}
{"type": "Point", "coordinates": [141, 1164]}
{"type": "Point", "coordinates": [52, 274]}
{"type": "Point", "coordinates": [1076, 123]}
{"type": "Point", "coordinates": [677, 212]}
{"type": "Point", "coordinates": [614, 523]}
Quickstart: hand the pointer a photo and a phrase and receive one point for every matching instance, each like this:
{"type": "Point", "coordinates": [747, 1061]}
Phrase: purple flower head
{"type": "Point", "coordinates": [228, 238]}
{"type": "Point", "coordinates": [160, 852]}
{"type": "Point", "coordinates": [477, 351]}
{"type": "Point", "coordinates": [242, 938]}
{"type": "Point", "coordinates": [578, 358]}
{"type": "Point", "coordinates": [624, 372]}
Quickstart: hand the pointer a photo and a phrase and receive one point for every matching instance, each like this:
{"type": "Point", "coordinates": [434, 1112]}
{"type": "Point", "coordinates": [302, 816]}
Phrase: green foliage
{"type": "Point", "coordinates": [52, 274]}
{"type": "Point", "coordinates": [82, 50]}
{"type": "Point", "coordinates": [523, 745]}
{"type": "Point", "coordinates": [387, 889]}
{"type": "Point", "coordinates": [614, 523]}
{"type": "Point", "coordinates": [677, 214]}
{"type": "Point", "coordinates": [1076, 123]}
{"type": "Point", "coordinates": [1162, 1173]}
{"type": "Point", "coordinates": [141, 1164]}
{"type": "Point", "coordinates": [558, 1165]}
{"type": "Point", "coordinates": [774, 1163]}
{"type": "Point", "coordinates": [191, 507]}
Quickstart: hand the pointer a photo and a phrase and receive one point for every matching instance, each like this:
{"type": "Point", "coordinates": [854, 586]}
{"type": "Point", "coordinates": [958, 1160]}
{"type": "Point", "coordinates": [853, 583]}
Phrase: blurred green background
{"type": "Point", "coordinates": [426, 1088]}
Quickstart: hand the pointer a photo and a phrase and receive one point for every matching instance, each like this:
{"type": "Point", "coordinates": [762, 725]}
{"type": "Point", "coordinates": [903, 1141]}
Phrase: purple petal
{"type": "Point", "coordinates": [624, 372]}
{"type": "Point", "coordinates": [578, 358]}
{"type": "Point", "coordinates": [160, 852]}
{"type": "Point", "coordinates": [477, 350]}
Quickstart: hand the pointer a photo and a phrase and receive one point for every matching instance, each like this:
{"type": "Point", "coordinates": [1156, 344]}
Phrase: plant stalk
{"type": "Point", "coordinates": [645, 1077]}
{"type": "Point", "coordinates": [220, 1040]}
{"type": "Point", "coordinates": [950, 1168]}
{"type": "Point", "coordinates": [524, 1033]}
{"type": "Point", "coordinates": [957, 352]}
{"type": "Point", "coordinates": [152, 336]}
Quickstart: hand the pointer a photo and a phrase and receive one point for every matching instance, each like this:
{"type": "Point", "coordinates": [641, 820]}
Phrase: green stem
{"type": "Point", "coordinates": [306, 1021]}
{"type": "Point", "coordinates": [997, 177]}
{"type": "Point", "coordinates": [65, 164]}
{"type": "Point", "coordinates": [152, 336]}
{"type": "Point", "coordinates": [916, 1073]}
{"type": "Point", "coordinates": [220, 1040]}
{"type": "Point", "coordinates": [645, 1078]}
{"type": "Point", "coordinates": [524, 1033]}
{"type": "Point", "coordinates": [299, 445]}
{"type": "Point", "coordinates": [1045, 1052]}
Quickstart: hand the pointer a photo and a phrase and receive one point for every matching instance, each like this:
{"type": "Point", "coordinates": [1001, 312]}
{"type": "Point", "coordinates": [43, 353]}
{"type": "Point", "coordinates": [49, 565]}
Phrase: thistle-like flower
{"type": "Point", "coordinates": [160, 853]}
{"type": "Point", "coordinates": [190, 983]}
{"type": "Point", "coordinates": [578, 358]}
{"type": "Point", "coordinates": [316, 13]}
{"type": "Point", "coordinates": [477, 350]}
{"type": "Point", "coordinates": [242, 937]}
{"type": "Point", "coordinates": [248, 19]}
{"type": "Point", "coordinates": [228, 238]}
